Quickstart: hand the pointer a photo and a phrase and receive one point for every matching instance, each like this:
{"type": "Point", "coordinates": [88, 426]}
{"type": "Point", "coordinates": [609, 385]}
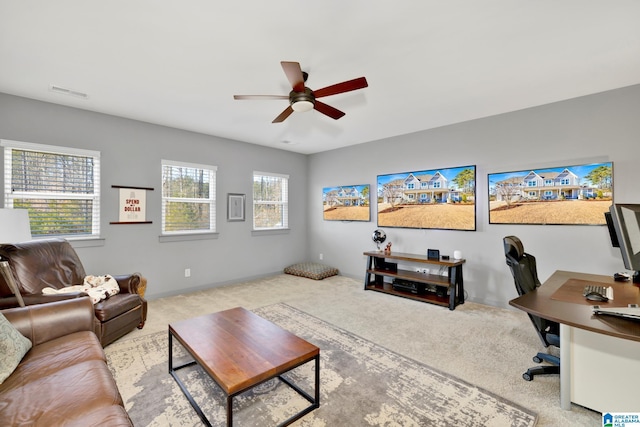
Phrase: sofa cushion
{"type": "Point", "coordinates": [13, 347]}
{"type": "Point", "coordinates": [76, 392]}
{"type": "Point", "coordinates": [55, 355]}
{"type": "Point", "coordinates": [311, 270]}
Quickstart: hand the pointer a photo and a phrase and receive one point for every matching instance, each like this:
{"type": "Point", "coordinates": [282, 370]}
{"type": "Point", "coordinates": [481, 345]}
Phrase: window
{"type": "Point", "coordinates": [270, 201]}
{"type": "Point", "coordinates": [59, 186]}
{"type": "Point", "coordinates": [188, 198]}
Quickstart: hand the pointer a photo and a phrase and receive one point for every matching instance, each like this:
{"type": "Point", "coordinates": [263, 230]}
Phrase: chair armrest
{"type": "Point", "coordinates": [131, 283]}
{"type": "Point", "coordinates": [11, 302]}
{"type": "Point", "coordinates": [44, 322]}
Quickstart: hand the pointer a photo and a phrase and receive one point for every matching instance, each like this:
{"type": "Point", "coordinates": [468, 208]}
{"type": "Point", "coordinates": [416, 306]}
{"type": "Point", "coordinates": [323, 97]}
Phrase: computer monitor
{"type": "Point", "coordinates": [626, 222]}
{"type": "Point", "coordinates": [612, 230]}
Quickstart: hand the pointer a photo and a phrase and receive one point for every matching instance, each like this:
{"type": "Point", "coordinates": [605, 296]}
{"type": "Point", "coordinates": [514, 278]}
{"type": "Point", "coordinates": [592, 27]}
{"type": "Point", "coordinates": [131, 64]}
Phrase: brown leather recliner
{"type": "Point", "coordinates": [38, 264]}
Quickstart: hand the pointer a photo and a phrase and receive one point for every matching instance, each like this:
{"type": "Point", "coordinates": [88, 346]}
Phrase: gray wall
{"type": "Point", "coordinates": [601, 127]}
{"type": "Point", "coordinates": [131, 152]}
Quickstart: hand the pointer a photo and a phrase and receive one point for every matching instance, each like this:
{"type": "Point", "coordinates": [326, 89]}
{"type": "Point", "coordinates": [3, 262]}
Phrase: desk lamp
{"type": "Point", "coordinates": [14, 228]}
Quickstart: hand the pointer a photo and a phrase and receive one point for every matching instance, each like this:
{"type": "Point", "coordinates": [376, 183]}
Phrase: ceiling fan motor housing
{"type": "Point", "coordinates": [302, 101]}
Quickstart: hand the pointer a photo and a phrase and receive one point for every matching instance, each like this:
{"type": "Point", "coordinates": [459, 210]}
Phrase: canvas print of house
{"type": "Point", "coordinates": [346, 203]}
{"type": "Point", "coordinates": [438, 198]}
{"type": "Point", "coordinates": [564, 195]}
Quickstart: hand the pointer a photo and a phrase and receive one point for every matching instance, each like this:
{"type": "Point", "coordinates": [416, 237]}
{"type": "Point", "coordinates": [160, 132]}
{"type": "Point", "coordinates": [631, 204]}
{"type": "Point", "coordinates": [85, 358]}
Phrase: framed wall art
{"type": "Point", "coordinates": [235, 207]}
{"type": "Point", "coordinates": [576, 195]}
{"type": "Point", "coordinates": [436, 198]}
{"type": "Point", "coordinates": [133, 205]}
{"type": "Point", "coordinates": [346, 203]}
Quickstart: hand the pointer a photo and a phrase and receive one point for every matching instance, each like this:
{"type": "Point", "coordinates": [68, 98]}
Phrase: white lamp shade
{"type": "Point", "coordinates": [14, 226]}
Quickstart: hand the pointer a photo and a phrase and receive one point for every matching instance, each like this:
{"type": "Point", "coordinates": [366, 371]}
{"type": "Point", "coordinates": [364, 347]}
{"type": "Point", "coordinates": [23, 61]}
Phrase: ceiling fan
{"type": "Point", "coordinates": [301, 98]}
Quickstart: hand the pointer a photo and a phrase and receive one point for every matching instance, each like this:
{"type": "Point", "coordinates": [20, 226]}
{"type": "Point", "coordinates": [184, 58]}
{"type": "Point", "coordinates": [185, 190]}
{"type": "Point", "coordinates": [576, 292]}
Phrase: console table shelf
{"type": "Point", "coordinates": [449, 289]}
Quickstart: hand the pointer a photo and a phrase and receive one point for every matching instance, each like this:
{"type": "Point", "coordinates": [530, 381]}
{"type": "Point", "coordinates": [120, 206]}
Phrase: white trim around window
{"type": "Point", "coordinates": [270, 201]}
{"type": "Point", "coordinates": [188, 200]}
{"type": "Point", "coordinates": [59, 186]}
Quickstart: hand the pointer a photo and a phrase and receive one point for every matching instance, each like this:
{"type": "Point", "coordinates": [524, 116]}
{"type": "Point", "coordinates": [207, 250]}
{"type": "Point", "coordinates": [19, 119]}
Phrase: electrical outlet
{"type": "Point", "coordinates": [321, 257]}
{"type": "Point", "coordinates": [418, 270]}
{"type": "Point", "coordinates": [187, 272]}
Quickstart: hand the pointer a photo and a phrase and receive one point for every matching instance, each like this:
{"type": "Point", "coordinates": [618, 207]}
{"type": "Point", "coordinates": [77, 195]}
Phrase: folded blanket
{"type": "Point", "coordinates": [99, 288]}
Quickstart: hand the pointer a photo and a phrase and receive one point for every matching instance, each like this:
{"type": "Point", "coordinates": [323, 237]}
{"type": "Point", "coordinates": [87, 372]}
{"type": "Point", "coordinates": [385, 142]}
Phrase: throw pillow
{"type": "Point", "coordinates": [13, 347]}
{"type": "Point", "coordinates": [311, 270]}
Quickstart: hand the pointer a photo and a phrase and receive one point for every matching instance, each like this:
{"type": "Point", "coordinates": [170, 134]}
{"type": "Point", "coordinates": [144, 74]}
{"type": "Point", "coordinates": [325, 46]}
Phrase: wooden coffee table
{"type": "Point", "coordinates": [239, 350]}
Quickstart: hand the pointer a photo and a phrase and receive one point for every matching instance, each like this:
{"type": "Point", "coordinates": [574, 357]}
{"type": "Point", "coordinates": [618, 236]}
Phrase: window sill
{"type": "Point", "coordinates": [270, 232]}
{"type": "Point", "coordinates": [187, 237]}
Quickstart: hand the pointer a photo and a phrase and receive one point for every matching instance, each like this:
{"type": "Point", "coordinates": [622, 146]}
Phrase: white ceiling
{"type": "Point", "coordinates": [429, 63]}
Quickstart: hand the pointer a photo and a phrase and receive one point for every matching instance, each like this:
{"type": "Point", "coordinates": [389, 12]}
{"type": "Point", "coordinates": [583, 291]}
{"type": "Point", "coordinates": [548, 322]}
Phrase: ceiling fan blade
{"type": "Point", "coordinates": [286, 113]}
{"type": "Point", "coordinates": [260, 96]}
{"type": "Point", "coordinates": [355, 84]}
{"type": "Point", "coordinates": [328, 110]}
{"type": "Point", "coordinates": [294, 74]}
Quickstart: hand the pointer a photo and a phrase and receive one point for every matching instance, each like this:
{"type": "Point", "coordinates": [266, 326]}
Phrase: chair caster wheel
{"type": "Point", "coordinates": [537, 359]}
{"type": "Point", "coordinates": [527, 377]}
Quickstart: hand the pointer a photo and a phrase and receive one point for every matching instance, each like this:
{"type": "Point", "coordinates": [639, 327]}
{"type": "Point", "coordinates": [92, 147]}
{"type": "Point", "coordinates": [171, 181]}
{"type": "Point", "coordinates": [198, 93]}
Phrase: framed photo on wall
{"type": "Point", "coordinates": [235, 207]}
{"type": "Point", "coordinates": [435, 198]}
{"type": "Point", "coordinates": [346, 203]}
{"type": "Point", "coordinates": [565, 195]}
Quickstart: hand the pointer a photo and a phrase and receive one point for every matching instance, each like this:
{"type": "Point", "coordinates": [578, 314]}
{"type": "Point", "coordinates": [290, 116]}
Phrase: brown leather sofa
{"type": "Point", "coordinates": [37, 264]}
{"type": "Point", "coordinates": [64, 378]}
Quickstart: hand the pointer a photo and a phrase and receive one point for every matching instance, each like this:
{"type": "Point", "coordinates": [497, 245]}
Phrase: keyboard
{"type": "Point", "coordinates": [604, 291]}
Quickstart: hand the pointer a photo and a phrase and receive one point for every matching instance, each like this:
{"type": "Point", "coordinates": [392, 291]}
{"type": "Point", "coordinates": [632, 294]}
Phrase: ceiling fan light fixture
{"type": "Point", "coordinates": [302, 101]}
{"type": "Point", "coordinates": [302, 106]}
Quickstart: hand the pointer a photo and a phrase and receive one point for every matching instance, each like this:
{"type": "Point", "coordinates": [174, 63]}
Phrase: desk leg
{"type": "Point", "coordinates": [565, 367]}
{"type": "Point", "coordinates": [367, 275]}
{"type": "Point", "coordinates": [460, 281]}
{"type": "Point", "coordinates": [456, 287]}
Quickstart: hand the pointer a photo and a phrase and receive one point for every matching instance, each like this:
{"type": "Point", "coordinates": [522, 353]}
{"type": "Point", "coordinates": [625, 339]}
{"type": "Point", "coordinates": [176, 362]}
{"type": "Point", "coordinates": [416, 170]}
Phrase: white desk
{"type": "Point", "coordinates": [599, 355]}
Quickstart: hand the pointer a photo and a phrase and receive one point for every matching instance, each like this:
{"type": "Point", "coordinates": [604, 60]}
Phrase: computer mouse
{"type": "Point", "coordinates": [594, 296]}
{"type": "Point", "coordinates": [621, 277]}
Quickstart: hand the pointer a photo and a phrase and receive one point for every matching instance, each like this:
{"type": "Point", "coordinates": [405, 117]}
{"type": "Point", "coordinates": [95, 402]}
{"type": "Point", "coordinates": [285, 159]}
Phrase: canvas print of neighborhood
{"type": "Point", "coordinates": [563, 195]}
{"type": "Point", "coordinates": [438, 198]}
{"type": "Point", "coordinates": [346, 203]}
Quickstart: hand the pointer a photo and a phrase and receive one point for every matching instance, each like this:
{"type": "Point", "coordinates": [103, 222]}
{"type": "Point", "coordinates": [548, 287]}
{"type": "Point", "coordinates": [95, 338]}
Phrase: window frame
{"type": "Point", "coordinates": [212, 200]}
{"type": "Point", "coordinates": [284, 203]}
{"type": "Point", "coordinates": [9, 195]}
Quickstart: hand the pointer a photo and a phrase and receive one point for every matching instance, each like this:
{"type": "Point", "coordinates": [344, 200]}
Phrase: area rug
{"type": "Point", "coordinates": [362, 384]}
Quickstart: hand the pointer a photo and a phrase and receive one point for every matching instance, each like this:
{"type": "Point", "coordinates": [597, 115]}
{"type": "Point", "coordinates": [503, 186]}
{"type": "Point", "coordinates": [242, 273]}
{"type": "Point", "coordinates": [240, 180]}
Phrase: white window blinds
{"type": "Point", "coordinates": [270, 201]}
{"type": "Point", "coordinates": [59, 186]}
{"type": "Point", "coordinates": [188, 198]}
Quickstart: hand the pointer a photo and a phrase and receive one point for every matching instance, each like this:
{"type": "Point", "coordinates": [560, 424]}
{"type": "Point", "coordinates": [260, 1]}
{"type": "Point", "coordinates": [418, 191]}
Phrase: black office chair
{"type": "Point", "coordinates": [525, 276]}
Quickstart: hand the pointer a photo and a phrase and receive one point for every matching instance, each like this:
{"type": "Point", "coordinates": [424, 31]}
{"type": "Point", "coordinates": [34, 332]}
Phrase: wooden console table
{"type": "Point", "coordinates": [433, 288]}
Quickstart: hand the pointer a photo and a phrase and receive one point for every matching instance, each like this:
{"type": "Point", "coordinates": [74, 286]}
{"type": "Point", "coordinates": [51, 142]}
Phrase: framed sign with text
{"type": "Point", "coordinates": [132, 205]}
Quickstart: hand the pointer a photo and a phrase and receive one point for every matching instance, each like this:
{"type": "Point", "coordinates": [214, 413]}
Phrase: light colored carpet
{"type": "Point", "coordinates": [361, 384]}
{"type": "Point", "coordinates": [484, 346]}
